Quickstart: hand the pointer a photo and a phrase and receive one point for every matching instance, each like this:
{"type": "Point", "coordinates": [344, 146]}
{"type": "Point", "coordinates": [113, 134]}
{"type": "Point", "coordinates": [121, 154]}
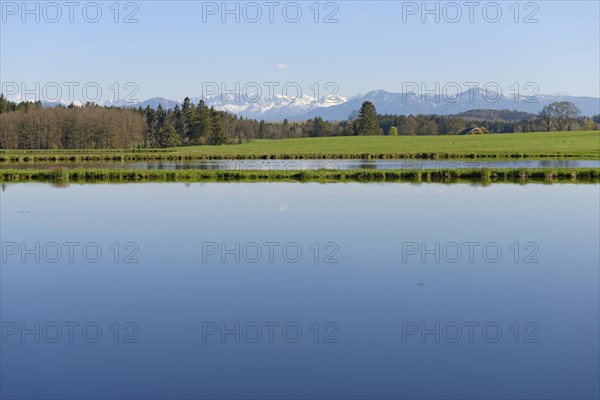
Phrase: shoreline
{"type": "Point", "coordinates": [156, 156]}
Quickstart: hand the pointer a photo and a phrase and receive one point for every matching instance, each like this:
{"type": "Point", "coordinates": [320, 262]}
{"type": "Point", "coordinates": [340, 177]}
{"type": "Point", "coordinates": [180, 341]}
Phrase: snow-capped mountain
{"type": "Point", "coordinates": [61, 102]}
{"type": "Point", "coordinates": [339, 108]}
{"type": "Point", "coordinates": [277, 108]}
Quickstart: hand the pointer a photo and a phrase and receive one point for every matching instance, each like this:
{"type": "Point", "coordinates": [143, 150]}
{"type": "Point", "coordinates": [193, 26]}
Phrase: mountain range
{"type": "Point", "coordinates": [339, 108]}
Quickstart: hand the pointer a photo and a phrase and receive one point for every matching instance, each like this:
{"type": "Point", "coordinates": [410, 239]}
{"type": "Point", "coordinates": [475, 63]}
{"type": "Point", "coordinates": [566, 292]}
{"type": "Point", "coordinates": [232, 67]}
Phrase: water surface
{"type": "Point", "coordinates": [317, 164]}
{"type": "Point", "coordinates": [357, 299]}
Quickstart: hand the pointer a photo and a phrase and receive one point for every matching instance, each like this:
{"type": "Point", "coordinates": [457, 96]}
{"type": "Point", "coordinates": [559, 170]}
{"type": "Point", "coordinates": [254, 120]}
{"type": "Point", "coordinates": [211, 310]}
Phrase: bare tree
{"type": "Point", "coordinates": [565, 113]}
{"type": "Point", "coordinates": [546, 115]}
{"type": "Point", "coordinates": [560, 113]}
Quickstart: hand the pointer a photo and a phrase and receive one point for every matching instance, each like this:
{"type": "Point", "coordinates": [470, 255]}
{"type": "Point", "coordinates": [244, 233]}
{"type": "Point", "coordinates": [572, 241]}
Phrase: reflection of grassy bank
{"type": "Point", "coordinates": [43, 158]}
{"type": "Point", "coordinates": [583, 175]}
{"type": "Point", "coordinates": [575, 145]}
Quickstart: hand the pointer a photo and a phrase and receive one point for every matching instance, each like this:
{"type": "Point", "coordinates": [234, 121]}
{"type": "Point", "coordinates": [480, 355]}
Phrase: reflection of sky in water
{"type": "Point", "coordinates": [369, 294]}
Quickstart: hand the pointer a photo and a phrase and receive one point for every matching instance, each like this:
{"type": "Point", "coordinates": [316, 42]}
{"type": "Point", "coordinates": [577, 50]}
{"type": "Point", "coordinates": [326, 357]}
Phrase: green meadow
{"type": "Point", "coordinates": [569, 144]}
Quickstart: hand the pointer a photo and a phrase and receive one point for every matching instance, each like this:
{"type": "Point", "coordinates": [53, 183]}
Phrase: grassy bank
{"type": "Point", "coordinates": [533, 145]}
{"type": "Point", "coordinates": [590, 175]}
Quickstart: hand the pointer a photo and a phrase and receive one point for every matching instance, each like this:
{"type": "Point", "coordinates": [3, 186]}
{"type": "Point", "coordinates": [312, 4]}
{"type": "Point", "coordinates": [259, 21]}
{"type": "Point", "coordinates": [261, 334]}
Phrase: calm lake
{"type": "Point", "coordinates": [291, 165]}
{"type": "Point", "coordinates": [289, 290]}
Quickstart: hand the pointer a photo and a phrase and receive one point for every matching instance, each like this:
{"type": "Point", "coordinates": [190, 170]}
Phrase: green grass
{"type": "Point", "coordinates": [66, 176]}
{"type": "Point", "coordinates": [585, 144]}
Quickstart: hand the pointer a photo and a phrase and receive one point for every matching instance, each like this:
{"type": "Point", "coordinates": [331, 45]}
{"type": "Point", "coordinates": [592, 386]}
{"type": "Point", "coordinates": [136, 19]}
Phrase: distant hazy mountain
{"type": "Point", "coordinates": [497, 115]}
{"type": "Point", "coordinates": [339, 108]}
{"type": "Point", "coordinates": [153, 103]}
{"type": "Point", "coordinates": [406, 104]}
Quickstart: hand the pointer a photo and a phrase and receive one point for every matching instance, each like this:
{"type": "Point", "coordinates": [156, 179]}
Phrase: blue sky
{"type": "Point", "coordinates": [177, 46]}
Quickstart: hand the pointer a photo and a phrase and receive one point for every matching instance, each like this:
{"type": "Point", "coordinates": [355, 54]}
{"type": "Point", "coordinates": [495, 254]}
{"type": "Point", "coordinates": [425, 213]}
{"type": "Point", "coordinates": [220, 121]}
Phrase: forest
{"type": "Point", "coordinates": [29, 125]}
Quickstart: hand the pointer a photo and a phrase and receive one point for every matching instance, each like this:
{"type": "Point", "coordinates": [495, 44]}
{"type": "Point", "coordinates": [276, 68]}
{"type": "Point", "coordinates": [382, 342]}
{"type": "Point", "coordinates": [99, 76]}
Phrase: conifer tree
{"type": "Point", "coordinates": [217, 134]}
{"type": "Point", "coordinates": [368, 124]}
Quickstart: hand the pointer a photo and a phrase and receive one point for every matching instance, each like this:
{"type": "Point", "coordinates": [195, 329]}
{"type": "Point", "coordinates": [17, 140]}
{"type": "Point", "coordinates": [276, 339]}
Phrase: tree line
{"type": "Point", "coordinates": [28, 125]}
{"type": "Point", "coordinates": [32, 126]}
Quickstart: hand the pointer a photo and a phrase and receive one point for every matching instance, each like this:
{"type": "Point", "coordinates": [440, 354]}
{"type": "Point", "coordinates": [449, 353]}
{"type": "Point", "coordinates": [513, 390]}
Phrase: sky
{"type": "Point", "coordinates": [111, 50]}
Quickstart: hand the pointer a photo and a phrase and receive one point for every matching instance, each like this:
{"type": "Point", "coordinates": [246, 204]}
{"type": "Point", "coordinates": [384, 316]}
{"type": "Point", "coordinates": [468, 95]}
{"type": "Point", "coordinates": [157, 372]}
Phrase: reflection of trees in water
{"type": "Point", "coordinates": [558, 163]}
{"type": "Point", "coordinates": [60, 185]}
{"type": "Point", "coordinates": [181, 166]}
{"type": "Point", "coordinates": [405, 165]}
{"type": "Point", "coordinates": [297, 165]}
{"type": "Point", "coordinates": [330, 165]}
{"type": "Point", "coordinates": [451, 165]}
{"type": "Point", "coordinates": [367, 164]}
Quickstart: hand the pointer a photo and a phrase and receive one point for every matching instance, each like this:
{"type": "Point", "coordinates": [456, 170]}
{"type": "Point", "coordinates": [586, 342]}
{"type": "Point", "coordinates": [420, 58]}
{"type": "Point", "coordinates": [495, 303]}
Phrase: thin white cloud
{"type": "Point", "coordinates": [282, 67]}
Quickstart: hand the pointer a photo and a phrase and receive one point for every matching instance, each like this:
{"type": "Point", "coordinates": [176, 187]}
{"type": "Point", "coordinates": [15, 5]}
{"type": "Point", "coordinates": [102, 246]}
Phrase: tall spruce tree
{"type": "Point", "coordinates": [202, 125]}
{"type": "Point", "coordinates": [151, 131]}
{"type": "Point", "coordinates": [161, 117]}
{"type": "Point", "coordinates": [368, 124]}
{"type": "Point", "coordinates": [179, 123]}
{"type": "Point", "coordinates": [217, 134]}
{"type": "Point", "coordinates": [189, 116]}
